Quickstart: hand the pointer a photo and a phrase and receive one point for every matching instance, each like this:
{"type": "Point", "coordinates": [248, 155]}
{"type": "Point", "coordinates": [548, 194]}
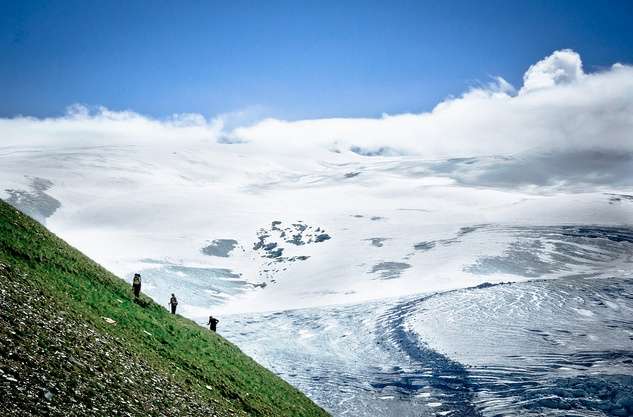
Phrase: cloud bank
{"type": "Point", "coordinates": [559, 107]}
{"type": "Point", "coordinates": [562, 124]}
{"type": "Point", "coordinates": [82, 127]}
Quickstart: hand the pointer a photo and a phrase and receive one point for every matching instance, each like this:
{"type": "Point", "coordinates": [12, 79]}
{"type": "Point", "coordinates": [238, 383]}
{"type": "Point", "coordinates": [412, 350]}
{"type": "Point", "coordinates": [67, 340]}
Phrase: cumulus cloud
{"type": "Point", "coordinates": [562, 67]}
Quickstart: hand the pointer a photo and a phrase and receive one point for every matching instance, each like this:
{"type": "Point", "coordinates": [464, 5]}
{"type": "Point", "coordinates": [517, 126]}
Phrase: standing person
{"type": "Point", "coordinates": [173, 302]}
{"type": "Point", "coordinates": [136, 285]}
{"type": "Point", "coordinates": [213, 322]}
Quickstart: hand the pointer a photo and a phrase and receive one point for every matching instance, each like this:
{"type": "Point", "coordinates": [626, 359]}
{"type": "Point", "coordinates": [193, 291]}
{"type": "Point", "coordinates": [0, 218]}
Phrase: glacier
{"type": "Point", "coordinates": [474, 260]}
{"type": "Point", "coordinates": [377, 285]}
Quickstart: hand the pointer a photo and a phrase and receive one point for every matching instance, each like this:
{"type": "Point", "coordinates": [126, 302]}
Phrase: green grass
{"type": "Point", "coordinates": [177, 348]}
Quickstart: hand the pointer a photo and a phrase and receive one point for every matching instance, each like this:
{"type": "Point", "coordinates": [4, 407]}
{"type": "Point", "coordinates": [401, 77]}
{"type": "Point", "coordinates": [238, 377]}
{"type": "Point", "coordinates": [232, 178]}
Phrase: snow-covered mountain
{"type": "Point", "coordinates": [384, 218]}
{"type": "Point", "coordinates": [230, 229]}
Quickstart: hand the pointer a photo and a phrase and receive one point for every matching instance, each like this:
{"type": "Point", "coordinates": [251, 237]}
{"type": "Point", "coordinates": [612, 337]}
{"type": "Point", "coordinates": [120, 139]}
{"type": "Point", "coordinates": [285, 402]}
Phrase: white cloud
{"type": "Point", "coordinates": [558, 108]}
{"type": "Point", "coordinates": [83, 127]}
{"type": "Point", "coordinates": [561, 67]}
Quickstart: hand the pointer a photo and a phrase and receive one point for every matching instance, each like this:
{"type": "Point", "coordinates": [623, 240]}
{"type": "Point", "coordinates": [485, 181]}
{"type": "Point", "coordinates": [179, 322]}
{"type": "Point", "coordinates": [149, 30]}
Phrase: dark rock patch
{"type": "Point", "coordinates": [322, 237]}
{"type": "Point", "coordinates": [424, 246]}
{"type": "Point", "coordinates": [377, 241]}
{"type": "Point", "coordinates": [296, 240]}
{"type": "Point", "coordinates": [275, 253]}
{"type": "Point", "coordinates": [34, 202]}
{"type": "Point", "coordinates": [220, 247]}
{"type": "Point", "coordinates": [270, 246]}
{"type": "Point", "coordinates": [271, 243]}
{"type": "Point", "coordinates": [390, 270]}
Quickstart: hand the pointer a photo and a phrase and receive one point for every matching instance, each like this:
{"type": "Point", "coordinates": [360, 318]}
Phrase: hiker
{"type": "Point", "coordinates": [213, 322]}
{"type": "Point", "coordinates": [173, 303]}
{"type": "Point", "coordinates": [136, 285]}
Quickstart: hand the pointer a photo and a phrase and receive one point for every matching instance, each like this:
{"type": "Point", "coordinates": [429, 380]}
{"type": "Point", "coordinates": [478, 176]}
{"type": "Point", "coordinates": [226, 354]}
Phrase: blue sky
{"type": "Point", "coordinates": [291, 60]}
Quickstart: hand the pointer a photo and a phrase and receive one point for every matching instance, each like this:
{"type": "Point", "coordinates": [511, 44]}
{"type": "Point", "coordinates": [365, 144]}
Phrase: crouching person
{"type": "Point", "coordinates": [136, 285]}
{"type": "Point", "coordinates": [213, 323]}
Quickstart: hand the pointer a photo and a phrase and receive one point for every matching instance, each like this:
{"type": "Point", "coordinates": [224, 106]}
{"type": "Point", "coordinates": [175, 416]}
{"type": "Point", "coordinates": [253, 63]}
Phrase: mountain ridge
{"type": "Point", "coordinates": [75, 342]}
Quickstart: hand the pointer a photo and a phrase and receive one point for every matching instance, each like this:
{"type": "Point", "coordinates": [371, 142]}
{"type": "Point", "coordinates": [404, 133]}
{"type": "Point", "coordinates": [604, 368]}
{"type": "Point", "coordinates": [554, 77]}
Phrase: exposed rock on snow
{"type": "Point", "coordinates": [390, 270]}
{"type": "Point", "coordinates": [34, 202]}
{"type": "Point", "coordinates": [220, 247]}
{"type": "Point", "coordinates": [273, 242]}
{"type": "Point", "coordinates": [377, 241]}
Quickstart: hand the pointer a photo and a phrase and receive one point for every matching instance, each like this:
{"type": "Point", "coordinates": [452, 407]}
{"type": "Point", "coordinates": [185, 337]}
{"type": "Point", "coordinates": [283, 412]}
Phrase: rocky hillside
{"type": "Point", "coordinates": [73, 342]}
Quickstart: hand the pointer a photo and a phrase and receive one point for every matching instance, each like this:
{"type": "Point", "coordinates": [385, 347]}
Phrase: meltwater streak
{"type": "Point", "coordinates": [543, 347]}
{"type": "Point", "coordinates": [336, 357]}
{"type": "Point", "coordinates": [536, 348]}
{"type": "Point", "coordinates": [555, 347]}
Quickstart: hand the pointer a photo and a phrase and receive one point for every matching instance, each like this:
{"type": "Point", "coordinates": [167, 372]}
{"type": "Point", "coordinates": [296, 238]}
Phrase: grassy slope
{"type": "Point", "coordinates": [65, 291]}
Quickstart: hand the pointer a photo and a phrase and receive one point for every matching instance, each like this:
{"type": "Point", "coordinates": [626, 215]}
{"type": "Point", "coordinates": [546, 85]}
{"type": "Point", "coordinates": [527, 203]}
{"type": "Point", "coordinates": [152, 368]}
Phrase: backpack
{"type": "Point", "coordinates": [136, 280]}
{"type": "Point", "coordinates": [173, 301]}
